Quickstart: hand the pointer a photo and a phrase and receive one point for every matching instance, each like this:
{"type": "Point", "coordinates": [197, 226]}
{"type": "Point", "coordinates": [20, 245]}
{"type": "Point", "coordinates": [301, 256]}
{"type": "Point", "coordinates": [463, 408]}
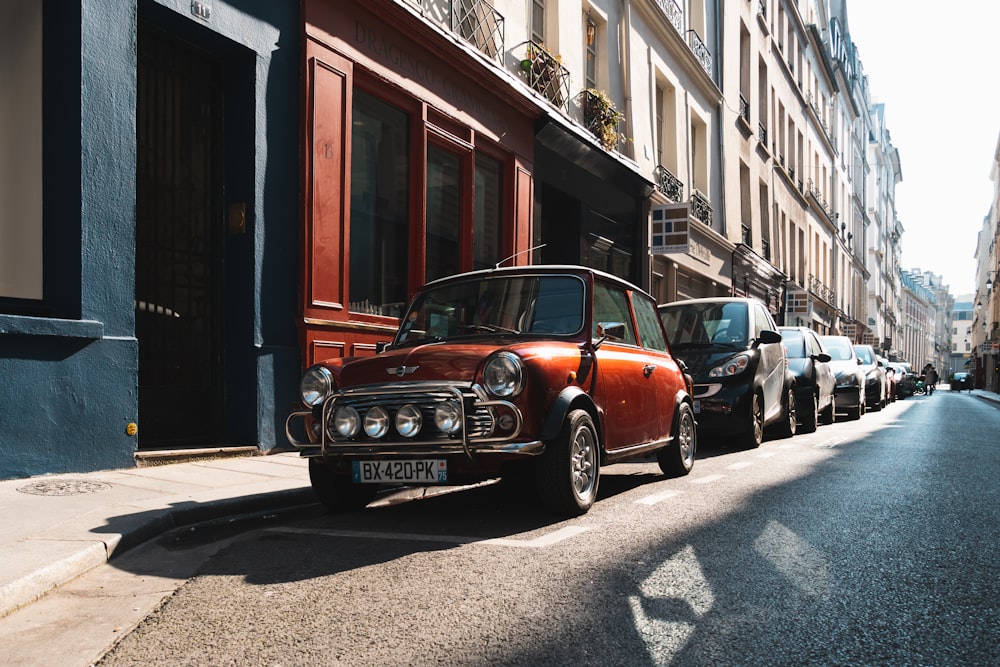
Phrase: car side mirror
{"type": "Point", "coordinates": [768, 336]}
{"type": "Point", "coordinates": [823, 357]}
{"type": "Point", "coordinates": [609, 331]}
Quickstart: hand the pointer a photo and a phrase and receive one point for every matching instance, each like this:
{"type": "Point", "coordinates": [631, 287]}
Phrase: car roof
{"type": "Point", "coordinates": [718, 299]}
{"type": "Point", "coordinates": [540, 269]}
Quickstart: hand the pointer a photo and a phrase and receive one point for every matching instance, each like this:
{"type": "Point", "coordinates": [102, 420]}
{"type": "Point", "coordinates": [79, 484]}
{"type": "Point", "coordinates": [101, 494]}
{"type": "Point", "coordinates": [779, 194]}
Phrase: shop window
{"type": "Point", "coordinates": [487, 233]}
{"type": "Point", "coordinates": [380, 176]}
{"type": "Point", "coordinates": [444, 213]}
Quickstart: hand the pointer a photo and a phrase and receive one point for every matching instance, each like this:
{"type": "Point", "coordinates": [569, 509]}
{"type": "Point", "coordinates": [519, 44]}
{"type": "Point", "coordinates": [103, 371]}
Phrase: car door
{"type": "Point", "coordinates": [661, 367]}
{"type": "Point", "coordinates": [823, 373]}
{"type": "Point", "coordinates": [625, 390]}
{"type": "Point", "coordinates": [773, 362]}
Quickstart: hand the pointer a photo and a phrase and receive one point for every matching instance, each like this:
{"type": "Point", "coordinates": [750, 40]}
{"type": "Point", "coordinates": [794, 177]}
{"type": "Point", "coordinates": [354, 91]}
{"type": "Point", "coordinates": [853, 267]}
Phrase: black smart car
{"type": "Point", "coordinates": [733, 351]}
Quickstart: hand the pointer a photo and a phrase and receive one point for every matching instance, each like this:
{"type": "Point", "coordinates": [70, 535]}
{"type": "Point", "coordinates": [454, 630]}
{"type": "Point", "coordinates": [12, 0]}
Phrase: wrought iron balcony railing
{"type": "Point", "coordinates": [668, 184]}
{"type": "Point", "coordinates": [744, 110]}
{"type": "Point", "coordinates": [673, 12]}
{"type": "Point", "coordinates": [480, 25]}
{"type": "Point", "coordinates": [700, 208]}
{"type": "Point", "coordinates": [700, 51]}
{"type": "Point", "coordinates": [817, 288]}
{"type": "Point", "coordinates": [545, 73]}
{"type": "Point", "coordinates": [602, 119]}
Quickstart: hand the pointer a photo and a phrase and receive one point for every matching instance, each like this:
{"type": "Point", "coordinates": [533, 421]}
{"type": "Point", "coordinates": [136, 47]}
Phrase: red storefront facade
{"type": "Point", "coordinates": [417, 163]}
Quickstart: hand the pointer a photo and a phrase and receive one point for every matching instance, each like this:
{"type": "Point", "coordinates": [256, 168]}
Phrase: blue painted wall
{"type": "Point", "coordinates": [69, 367]}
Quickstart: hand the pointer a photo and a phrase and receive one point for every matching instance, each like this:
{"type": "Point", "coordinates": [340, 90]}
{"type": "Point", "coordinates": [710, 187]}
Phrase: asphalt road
{"type": "Point", "coordinates": [869, 542]}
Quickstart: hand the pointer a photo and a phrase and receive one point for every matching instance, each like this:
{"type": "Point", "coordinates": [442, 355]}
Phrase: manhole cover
{"type": "Point", "coordinates": [64, 487]}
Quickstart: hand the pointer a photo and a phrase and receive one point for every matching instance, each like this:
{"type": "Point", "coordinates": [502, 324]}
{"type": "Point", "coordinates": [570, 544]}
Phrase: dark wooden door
{"type": "Point", "coordinates": [179, 224]}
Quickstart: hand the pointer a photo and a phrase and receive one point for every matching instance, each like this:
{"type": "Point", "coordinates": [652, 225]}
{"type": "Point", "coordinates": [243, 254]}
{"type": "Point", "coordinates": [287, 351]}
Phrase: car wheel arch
{"type": "Point", "coordinates": [569, 399]}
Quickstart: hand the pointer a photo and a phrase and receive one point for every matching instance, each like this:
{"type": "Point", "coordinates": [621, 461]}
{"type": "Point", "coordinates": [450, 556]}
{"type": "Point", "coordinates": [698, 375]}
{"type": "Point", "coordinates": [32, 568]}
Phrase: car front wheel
{"type": "Point", "coordinates": [754, 435]}
{"type": "Point", "coordinates": [790, 422]}
{"type": "Point", "coordinates": [810, 415]}
{"type": "Point", "coordinates": [677, 458]}
{"type": "Point", "coordinates": [569, 469]}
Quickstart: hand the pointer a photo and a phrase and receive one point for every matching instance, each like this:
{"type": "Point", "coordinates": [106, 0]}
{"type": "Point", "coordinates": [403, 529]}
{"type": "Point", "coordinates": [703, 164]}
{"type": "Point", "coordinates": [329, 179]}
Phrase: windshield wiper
{"type": "Point", "coordinates": [488, 328]}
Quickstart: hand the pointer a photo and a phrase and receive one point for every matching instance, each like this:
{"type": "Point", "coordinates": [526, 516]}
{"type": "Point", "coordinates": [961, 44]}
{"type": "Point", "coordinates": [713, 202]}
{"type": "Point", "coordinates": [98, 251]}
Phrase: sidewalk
{"type": "Point", "coordinates": [56, 527]}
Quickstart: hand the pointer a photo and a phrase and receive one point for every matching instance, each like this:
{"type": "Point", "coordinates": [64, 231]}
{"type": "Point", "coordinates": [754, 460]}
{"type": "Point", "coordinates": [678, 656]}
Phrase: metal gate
{"type": "Point", "coordinates": [178, 242]}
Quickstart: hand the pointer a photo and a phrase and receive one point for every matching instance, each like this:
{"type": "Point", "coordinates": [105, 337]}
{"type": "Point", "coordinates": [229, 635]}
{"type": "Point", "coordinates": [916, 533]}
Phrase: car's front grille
{"type": "Point", "coordinates": [479, 419]}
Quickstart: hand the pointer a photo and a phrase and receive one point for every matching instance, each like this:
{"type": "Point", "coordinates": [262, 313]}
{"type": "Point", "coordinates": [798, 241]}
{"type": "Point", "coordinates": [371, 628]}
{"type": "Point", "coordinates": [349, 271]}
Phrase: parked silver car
{"type": "Point", "coordinates": [849, 392]}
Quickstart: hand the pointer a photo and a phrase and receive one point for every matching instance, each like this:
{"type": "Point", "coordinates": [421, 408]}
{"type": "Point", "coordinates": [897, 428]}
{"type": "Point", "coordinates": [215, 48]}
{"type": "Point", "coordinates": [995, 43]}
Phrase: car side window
{"type": "Point", "coordinates": [761, 320]}
{"type": "Point", "coordinates": [650, 329]}
{"type": "Point", "coordinates": [611, 305]}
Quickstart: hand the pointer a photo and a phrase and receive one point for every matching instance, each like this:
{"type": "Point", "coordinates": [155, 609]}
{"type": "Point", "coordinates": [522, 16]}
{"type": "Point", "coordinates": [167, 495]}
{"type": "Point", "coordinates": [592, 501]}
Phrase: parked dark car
{"type": "Point", "coordinates": [814, 381]}
{"type": "Point", "coordinates": [541, 374]}
{"type": "Point", "coordinates": [890, 379]}
{"type": "Point", "coordinates": [875, 387]}
{"type": "Point", "coordinates": [733, 351]}
{"type": "Point", "coordinates": [961, 380]}
{"type": "Point", "coordinates": [849, 391]}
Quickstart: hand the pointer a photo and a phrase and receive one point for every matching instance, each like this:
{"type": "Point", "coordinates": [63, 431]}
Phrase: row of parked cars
{"type": "Point", "coordinates": [542, 375]}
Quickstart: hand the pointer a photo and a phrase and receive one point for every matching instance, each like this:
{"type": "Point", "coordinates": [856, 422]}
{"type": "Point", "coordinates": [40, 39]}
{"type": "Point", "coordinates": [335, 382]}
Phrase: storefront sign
{"type": "Point", "coordinates": [670, 230]}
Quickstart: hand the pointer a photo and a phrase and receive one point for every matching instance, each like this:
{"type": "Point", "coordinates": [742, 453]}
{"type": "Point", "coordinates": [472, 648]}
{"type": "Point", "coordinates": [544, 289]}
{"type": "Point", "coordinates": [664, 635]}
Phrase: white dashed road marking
{"type": "Point", "coordinates": [655, 498]}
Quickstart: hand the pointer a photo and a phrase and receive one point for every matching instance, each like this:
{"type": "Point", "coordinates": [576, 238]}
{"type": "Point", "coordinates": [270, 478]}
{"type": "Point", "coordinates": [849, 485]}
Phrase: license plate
{"type": "Point", "coordinates": [419, 471]}
{"type": "Point", "coordinates": [697, 407]}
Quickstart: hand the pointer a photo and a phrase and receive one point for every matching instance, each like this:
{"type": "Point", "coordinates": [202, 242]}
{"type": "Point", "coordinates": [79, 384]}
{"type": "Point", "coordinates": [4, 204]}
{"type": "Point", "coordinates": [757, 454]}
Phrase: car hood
{"type": "Point", "coordinates": [842, 367]}
{"type": "Point", "coordinates": [434, 362]}
{"type": "Point", "coordinates": [700, 360]}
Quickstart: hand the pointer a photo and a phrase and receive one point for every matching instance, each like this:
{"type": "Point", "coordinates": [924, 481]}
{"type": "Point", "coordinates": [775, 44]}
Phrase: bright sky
{"type": "Point", "coordinates": [934, 65]}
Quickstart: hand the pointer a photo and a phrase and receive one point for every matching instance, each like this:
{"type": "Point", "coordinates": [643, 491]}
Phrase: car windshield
{"type": "Point", "coordinates": [704, 324]}
{"type": "Point", "coordinates": [839, 348]}
{"type": "Point", "coordinates": [491, 305]}
{"type": "Point", "coordinates": [794, 343]}
{"type": "Point", "coordinates": [865, 355]}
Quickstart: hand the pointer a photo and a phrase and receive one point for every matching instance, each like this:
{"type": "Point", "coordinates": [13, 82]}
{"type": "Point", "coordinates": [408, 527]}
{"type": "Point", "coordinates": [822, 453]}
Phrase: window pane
{"type": "Point", "coordinates": [487, 235]}
{"type": "Point", "coordinates": [379, 206]}
{"type": "Point", "coordinates": [650, 329]}
{"type": "Point", "coordinates": [611, 305]}
{"type": "Point", "coordinates": [444, 198]}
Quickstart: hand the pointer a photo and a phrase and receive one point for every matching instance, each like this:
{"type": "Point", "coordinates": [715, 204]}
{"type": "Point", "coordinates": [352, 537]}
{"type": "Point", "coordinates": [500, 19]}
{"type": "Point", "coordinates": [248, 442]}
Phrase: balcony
{"type": "Point", "coordinates": [700, 208]}
{"type": "Point", "coordinates": [545, 73]}
{"type": "Point", "coordinates": [480, 25]}
{"type": "Point", "coordinates": [817, 288]}
{"type": "Point", "coordinates": [602, 118]}
{"type": "Point", "coordinates": [700, 51]}
{"type": "Point", "coordinates": [668, 184]}
{"type": "Point", "coordinates": [673, 12]}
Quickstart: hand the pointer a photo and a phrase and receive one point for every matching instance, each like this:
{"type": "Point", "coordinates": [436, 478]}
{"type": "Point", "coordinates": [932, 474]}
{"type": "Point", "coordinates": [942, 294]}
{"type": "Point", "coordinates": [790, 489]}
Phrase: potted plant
{"type": "Point", "coordinates": [602, 118]}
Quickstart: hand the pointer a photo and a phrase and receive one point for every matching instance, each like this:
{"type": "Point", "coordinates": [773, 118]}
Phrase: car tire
{"type": "Point", "coordinates": [789, 420]}
{"type": "Point", "coordinates": [677, 458]}
{"type": "Point", "coordinates": [337, 492]}
{"type": "Point", "coordinates": [829, 414]}
{"type": "Point", "coordinates": [810, 415]}
{"type": "Point", "coordinates": [569, 469]}
{"type": "Point", "coordinates": [754, 435]}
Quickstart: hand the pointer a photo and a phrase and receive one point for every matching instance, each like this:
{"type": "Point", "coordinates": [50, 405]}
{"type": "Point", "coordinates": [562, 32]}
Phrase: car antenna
{"type": "Point", "coordinates": [507, 259]}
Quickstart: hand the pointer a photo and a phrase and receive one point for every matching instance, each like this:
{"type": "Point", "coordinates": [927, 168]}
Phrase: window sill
{"type": "Point", "coordinates": [15, 325]}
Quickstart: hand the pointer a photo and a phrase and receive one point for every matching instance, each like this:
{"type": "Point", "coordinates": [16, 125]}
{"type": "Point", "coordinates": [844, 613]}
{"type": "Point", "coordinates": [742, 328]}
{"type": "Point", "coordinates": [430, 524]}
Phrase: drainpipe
{"type": "Point", "coordinates": [626, 42]}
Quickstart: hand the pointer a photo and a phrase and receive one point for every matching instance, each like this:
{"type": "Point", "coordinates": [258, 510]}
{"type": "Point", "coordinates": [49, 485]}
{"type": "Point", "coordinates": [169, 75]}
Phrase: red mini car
{"type": "Point", "coordinates": [548, 372]}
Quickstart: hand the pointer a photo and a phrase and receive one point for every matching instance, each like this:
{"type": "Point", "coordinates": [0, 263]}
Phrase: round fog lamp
{"type": "Point", "coordinates": [346, 420]}
{"type": "Point", "coordinates": [376, 422]}
{"type": "Point", "coordinates": [408, 420]}
{"type": "Point", "coordinates": [448, 416]}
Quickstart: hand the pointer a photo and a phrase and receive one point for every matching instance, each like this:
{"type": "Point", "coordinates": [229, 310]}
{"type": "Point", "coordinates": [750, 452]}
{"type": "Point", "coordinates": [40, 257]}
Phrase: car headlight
{"type": "Point", "coordinates": [408, 421]}
{"type": "Point", "coordinates": [376, 422]}
{"type": "Point", "coordinates": [316, 385]}
{"type": "Point", "coordinates": [503, 375]}
{"type": "Point", "coordinates": [733, 366]}
{"type": "Point", "coordinates": [346, 420]}
{"type": "Point", "coordinates": [847, 379]}
{"type": "Point", "coordinates": [448, 416]}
